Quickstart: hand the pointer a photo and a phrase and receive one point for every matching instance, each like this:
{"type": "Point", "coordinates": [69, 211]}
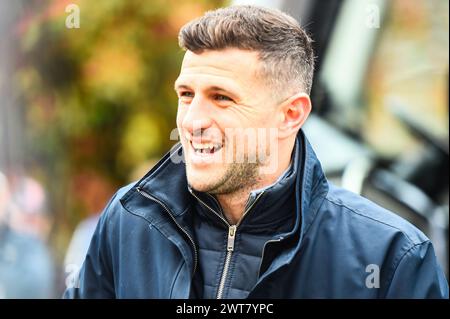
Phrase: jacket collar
{"type": "Point", "coordinates": [167, 183]}
{"type": "Point", "coordinates": [310, 190]}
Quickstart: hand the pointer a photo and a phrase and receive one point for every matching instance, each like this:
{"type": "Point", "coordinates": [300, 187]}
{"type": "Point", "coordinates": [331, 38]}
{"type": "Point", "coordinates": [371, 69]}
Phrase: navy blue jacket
{"type": "Point", "coordinates": [346, 246]}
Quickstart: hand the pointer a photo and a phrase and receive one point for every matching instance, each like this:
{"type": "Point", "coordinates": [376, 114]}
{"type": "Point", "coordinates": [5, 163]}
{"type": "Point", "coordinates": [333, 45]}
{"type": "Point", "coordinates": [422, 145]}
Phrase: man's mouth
{"type": "Point", "coordinates": [205, 148]}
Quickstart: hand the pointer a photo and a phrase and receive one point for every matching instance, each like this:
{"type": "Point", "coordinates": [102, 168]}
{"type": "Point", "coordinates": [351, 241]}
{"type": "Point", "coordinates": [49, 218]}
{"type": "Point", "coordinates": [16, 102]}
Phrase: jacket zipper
{"type": "Point", "coordinates": [232, 229]}
{"type": "Point", "coordinates": [212, 210]}
{"type": "Point", "coordinates": [169, 212]}
{"type": "Point", "coordinates": [230, 248]}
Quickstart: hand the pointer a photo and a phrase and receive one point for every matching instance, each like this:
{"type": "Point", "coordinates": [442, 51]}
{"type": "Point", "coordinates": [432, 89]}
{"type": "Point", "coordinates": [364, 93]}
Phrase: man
{"type": "Point", "coordinates": [239, 219]}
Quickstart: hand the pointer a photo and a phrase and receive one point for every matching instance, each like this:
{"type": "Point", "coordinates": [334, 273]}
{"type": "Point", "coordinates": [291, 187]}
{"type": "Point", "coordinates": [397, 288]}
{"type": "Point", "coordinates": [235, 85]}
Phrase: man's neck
{"type": "Point", "coordinates": [233, 204]}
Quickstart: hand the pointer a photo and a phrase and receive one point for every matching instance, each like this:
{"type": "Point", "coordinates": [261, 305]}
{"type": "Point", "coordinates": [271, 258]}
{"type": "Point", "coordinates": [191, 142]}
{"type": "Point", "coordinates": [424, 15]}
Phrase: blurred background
{"type": "Point", "coordinates": [87, 105]}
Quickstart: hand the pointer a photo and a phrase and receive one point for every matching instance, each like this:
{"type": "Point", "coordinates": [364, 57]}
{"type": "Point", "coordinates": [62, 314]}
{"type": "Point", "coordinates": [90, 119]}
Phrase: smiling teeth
{"type": "Point", "coordinates": [206, 147]}
{"type": "Point", "coordinates": [203, 146]}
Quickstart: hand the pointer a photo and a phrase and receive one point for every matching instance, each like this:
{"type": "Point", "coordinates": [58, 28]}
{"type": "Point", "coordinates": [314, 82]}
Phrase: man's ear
{"type": "Point", "coordinates": [294, 112]}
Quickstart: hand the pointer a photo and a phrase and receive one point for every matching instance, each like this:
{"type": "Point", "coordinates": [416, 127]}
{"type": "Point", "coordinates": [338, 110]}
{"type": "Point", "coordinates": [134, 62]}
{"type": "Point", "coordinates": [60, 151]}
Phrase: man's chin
{"type": "Point", "coordinates": [200, 186]}
{"type": "Point", "coordinates": [201, 181]}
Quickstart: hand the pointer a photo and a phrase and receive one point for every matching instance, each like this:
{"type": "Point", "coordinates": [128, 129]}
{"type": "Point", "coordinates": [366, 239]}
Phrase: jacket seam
{"type": "Point", "coordinates": [313, 218]}
{"type": "Point", "coordinates": [156, 226]}
{"type": "Point", "coordinates": [152, 220]}
{"type": "Point", "coordinates": [140, 216]}
{"type": "Point", "coordinates": [389, 281]}
{"type": "Point", "coordinates": [357, 212]}
{"type": "Point", "coordinates": [270, 224]}
{"type": "Point", "coordinates": [176, 277]}
{"type": "Point", "coordinates": [308, 227]}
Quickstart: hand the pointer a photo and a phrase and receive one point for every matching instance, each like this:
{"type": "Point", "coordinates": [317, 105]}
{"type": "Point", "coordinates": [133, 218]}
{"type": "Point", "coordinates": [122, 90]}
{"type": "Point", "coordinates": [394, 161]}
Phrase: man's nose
{"type": "Point", "coordinates": [197, 117]}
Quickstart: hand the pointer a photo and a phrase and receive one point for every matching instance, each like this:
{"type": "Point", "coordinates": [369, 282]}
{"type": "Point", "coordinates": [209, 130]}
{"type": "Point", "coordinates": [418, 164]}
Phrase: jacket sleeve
{"type": "Point", "coordinates": [418, 275]}
{"type": "Point", "coordinates": [95, 278]}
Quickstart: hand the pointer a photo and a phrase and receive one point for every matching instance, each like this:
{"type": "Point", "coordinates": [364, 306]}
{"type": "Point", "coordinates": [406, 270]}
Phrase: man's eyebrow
{"type": "Point", "coordinates": [218, 88]}
{"type": "Point", "coordinates": [210, 88]}
{"type": "Point", "coordinates": [181, 86]}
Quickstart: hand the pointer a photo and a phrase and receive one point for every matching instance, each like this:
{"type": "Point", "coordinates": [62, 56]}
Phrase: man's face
{"type": "Point", "coordinates": [219, 92]}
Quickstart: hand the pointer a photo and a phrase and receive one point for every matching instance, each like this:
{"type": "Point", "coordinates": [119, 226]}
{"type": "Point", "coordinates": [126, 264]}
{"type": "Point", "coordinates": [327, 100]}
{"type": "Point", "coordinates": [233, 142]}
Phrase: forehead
{"type": "Point", "coordinates": [234, 67]}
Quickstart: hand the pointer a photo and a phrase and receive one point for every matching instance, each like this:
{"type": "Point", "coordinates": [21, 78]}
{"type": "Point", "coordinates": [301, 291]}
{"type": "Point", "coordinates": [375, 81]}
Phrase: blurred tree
{"type": "Point", "coordinates": [98, 98]}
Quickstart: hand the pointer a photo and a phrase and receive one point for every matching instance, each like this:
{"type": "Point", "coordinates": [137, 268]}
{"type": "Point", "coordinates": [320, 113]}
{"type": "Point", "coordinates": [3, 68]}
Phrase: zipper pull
{"type": "Point", "coordinates": [231, 237]}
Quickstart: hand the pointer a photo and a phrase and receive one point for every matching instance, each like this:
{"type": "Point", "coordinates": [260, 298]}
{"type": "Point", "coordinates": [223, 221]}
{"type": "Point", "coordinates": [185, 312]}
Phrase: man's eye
{"type": "Point", "coordinates": [186, 94]}
{"type": "Point", "coordinates": [221, 97]}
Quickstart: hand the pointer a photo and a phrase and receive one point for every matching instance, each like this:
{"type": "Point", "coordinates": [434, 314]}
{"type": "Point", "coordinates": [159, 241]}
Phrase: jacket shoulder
{"type": "Point", "coordinates": [114, 205]}
{"type": "Point", "coordinates": [371, 216]}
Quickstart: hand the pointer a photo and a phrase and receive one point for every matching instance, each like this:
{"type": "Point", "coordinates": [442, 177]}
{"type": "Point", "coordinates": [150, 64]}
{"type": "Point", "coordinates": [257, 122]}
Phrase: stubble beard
{"type": "Point", "coordinates": [236, 178]}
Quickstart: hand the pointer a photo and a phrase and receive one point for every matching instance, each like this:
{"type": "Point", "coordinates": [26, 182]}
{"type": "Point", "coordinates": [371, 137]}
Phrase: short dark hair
{"type": "Point", "coordinates": [283, 46]}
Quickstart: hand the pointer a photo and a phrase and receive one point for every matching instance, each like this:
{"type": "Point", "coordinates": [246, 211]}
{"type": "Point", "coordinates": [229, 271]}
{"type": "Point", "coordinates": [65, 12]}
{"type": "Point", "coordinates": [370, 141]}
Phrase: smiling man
{"type": "Point", "coordinates": [248, 212]}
